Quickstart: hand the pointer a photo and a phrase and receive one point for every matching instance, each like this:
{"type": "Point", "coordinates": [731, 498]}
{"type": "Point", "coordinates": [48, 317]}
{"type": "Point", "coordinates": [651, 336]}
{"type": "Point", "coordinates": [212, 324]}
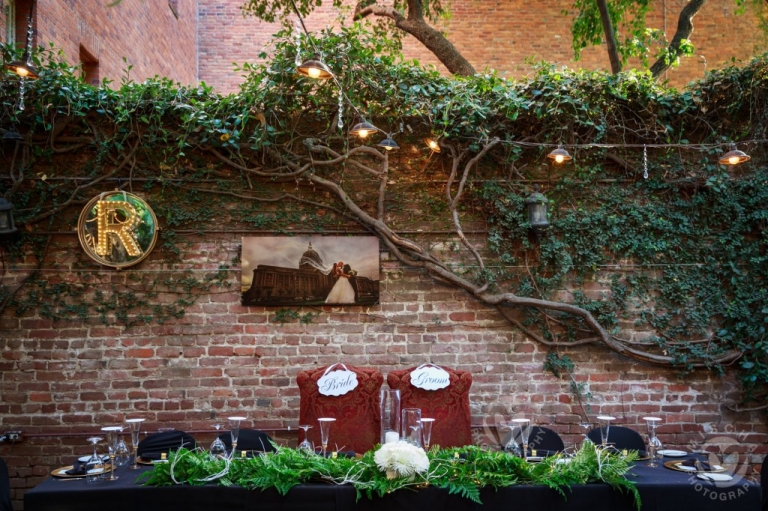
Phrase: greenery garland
{"type": "Point", "coordinates": [460, 470]}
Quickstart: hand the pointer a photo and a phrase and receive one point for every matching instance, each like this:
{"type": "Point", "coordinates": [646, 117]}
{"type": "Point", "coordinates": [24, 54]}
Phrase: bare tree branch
{"type": "Point", "coordinates": [684, 31]}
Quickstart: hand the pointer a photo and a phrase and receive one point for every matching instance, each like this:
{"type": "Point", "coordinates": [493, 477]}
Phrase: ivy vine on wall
{"type": "Point", "coordinates": [669, 270]}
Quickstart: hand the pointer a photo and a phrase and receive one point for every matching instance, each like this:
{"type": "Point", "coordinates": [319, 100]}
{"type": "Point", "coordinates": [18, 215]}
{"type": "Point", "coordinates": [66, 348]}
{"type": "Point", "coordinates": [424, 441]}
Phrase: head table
{"type": "Point", "coordinates": [660, 489]}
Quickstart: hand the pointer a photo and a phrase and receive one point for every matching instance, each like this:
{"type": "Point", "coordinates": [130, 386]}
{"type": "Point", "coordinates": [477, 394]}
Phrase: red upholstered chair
{"type": "Point", "coordinates": [358, 419]}
{"type": "Point", "coordinates": [449, 406]}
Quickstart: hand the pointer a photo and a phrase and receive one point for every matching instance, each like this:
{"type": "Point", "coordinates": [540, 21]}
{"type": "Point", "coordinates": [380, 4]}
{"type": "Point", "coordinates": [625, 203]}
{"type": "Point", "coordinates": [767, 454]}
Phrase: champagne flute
{"type": "Point", "coordinates": [523, 425]}
{"type": "Point", "coordinates": [653, 443]}
{"type": "Point", "coordinates": [605, 426]}
{"type": "Point", "coordinates": [111, 432]}
{"type": "Point", "coordinates": [234, 430]}
{"type": "Point", "coordinates": [426, 431]}
{"type": "Point", "coordinates": [95, 466]}
{"type": "Point", "coordinates": [135, 425]}
{"type": "Point", "coordinates": [305, 445]}
{"type": "Point", "coordinates": [325, 431]}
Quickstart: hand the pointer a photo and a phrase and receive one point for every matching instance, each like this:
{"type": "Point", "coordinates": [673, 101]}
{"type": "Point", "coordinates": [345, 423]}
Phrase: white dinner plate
{"type": "Point", "coordinates": [672, 453]}
{"type": "Point", "coordinates": [711, 476]}
{"type": "Point", "coordinates": [685, 468]}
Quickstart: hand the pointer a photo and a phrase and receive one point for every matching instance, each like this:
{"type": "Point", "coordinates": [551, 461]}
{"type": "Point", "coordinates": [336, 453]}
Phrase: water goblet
{"type": "Point", "coordinates": [217, 449]}
{"type": "Point", "coordinates": [411, 424]}
{"type": "Point", "coordinates": [135, 425]}
{"type": "Point", "coordinates": [524, 427]}
{"type": "Point", "coordinates": [112, 432]}
{"type": "Point", "coordinates": [305, 445]}
{"type": "Point", "coordinates": [426, 431]}
{"type": "Point", "coordinates": [325, 431]}
{"type": "Point", "coordinates": [94, 467]}
{"type": "Point", "coordinates": [234, 430]}
{"type": "Point", "coordinates": [122, 454]}
{"type": "Point", "coordinates": [604, 422]}
{"type": "Point", "coordinates": [653, 443]}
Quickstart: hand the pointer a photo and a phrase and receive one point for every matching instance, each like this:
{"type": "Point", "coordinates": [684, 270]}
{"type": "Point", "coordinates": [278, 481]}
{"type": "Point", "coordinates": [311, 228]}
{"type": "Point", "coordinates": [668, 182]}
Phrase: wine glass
{"type": "Point", "coordinates": [605, 425]}
{"type": "Point", "coordinates": [122, 454]}
{"type": "Point", "coordinates": [325, 431]}
{"type": "Point", "coordinates": [234, 430]}
{"type": "Point", "coordinates": [218, 449]}
{"type": "Point", "coordinates": [111, 432]}
{"type": "Point", "coordinates": [585, 425]}
{"type": "Point", "coordinates": [305, 445]}
{"type": "Point", "coordinates": [135, 425]}
{"type": "Point", "coordinates": [524, 426]}
{"type": "Point", "coordinates": [426, 431]}
{"type": "Point", "coordinates": [94, 467]}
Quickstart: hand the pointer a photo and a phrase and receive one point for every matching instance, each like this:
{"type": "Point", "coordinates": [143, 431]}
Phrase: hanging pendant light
{"type": "Point", "coordinates": [433, 145]}
{"type": "Point", "coordinates": [24, 67]}
{"type": "Point", "coordinates": [7, 225]}
{"type": "Point", "coordinates": [11, 135]}
{"type": "Point", "coordinates": [315, 68]}
{"type": "Point", "coordinates": [734, 157]}
{"type": "Point", "coordinates": [560, 155]}
{"type": "Point", "coordinates": [363, 129]}
{"type": "Point", "coordinates": [388, 143]}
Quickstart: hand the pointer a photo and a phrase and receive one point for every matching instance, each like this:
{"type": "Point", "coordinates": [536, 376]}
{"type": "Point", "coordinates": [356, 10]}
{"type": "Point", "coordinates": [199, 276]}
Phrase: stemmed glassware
{"type": "Point", "coordinates": [122, 454]}
{"type": "Point", "coordinates": [234, 430]}
{"type": "Point", "coordinates": [654, 445]}
{"type": "Point", "coordinates": [305, 445]}
{"type": "Point", "coordinates": [112, 432]}
{"type": "Point", "coordinates": [605, 425]}
{"type": "Point", "coordinates": [135, 425]}
{"type": "Point", "coordinates": [524, 427]}
{"type": "Point", "coordinates": [411, 424]}
{"type": "Point", "coordinates": [426, 431]}
{"type": "Point", "coordinates": [585, 425]}
{"type": "Point", "coordinates": [92, 472]}
{"type": "Point", "coordinates": [218, 449]}
{"type": "Point", "coordinates": [325, 431]}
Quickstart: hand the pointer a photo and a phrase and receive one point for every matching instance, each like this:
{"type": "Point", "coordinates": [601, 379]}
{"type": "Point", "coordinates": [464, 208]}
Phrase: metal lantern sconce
{"type": "Point", "coordinates": [315, 68]}
{"type": "Point", "coordinates": [560, 155]}
{"type": "Point", "coordinates": [733, 157]}
{"type": "Point", "coordinates": [536, 204]}
{"type": "Point", "coordinates": [433, 145]}
{"type": "Point", "coordinates": [388, 144]}
{"type": "Point", "coordinates": [363, 129]}
{"type": "Point", "coordinates": [6, 218]}
{"type": "Point", "coordinates": [24, 67]}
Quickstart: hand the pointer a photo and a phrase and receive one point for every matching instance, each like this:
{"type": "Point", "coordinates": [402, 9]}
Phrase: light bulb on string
{"type": "Point", "coordinates": [559, 155]}
{"type": "Point", "coordinates": [734, 157]}
{"type": "Point", "coordinates": [363, 128]}
{"type": "Point", "coordinates": [433, 145]}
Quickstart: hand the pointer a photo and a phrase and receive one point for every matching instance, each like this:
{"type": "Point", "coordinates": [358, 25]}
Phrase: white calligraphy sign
{"type": "Point", "coordinates": [338, 382]}
{"type": "Point", "coordinates": [429, 377]}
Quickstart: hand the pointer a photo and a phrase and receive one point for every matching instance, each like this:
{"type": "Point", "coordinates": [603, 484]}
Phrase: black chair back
{"type": "Point", "coordinates": [154, 445]}
{"type": "Point", "coordinates": [620, 437]}
{"type": "Point", "coordinates": [249, 440]}
{"type": "Point", "coordinates": [5, 488]}
{"type": "Point", "coordinates": [540, 438]}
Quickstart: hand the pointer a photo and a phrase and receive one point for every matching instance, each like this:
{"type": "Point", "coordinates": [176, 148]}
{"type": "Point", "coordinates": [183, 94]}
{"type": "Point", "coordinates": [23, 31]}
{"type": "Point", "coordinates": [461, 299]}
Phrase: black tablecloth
{"type": "Point", "coordinates": [660, 489]}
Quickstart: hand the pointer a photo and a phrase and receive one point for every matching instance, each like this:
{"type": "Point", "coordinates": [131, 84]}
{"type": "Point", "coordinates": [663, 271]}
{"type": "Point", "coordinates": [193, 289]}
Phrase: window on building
{"type": "Point", "coordinates": [10, 22]}
{"type": "Point", "coordinates": [21, 21]}
{"type": "Point", "coordinates": [90, 67]}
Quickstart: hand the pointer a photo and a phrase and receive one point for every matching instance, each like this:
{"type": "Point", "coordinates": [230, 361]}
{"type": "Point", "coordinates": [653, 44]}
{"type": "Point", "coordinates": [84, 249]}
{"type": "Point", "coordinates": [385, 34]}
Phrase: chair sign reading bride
{"type": "Point", "coordinates": [430, 377]}
{"type": "Point", "coordinates": [338, 382]}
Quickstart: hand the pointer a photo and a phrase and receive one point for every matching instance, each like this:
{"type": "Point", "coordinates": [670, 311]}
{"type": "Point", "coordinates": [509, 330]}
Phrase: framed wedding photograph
{"type": "Point", "coordinates": [310, 270]}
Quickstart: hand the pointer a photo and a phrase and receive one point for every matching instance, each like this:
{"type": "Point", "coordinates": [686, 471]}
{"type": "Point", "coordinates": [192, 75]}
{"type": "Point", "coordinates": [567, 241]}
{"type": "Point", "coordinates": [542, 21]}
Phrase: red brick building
{"type": "Point", "coordinates": [199, 41]}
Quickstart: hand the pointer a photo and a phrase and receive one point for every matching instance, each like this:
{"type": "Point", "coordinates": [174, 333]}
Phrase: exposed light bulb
{"type": "Point", "coordinates": [733, 160]}
{"type": "Point", "coordinates": [432, 144]}
{"type": "Point", "coordinates": [559, 158]}
{"type": "Point", "coordinates": [313, 72]}
{"type": "Point", "coordinates": [388, 148]}
{"type": "Point", "coordinates": [363, 133]}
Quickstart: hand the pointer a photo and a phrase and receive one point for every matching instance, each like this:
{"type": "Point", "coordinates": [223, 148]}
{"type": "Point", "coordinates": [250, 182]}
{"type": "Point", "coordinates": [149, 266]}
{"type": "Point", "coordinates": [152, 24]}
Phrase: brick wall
{"type": "Point", "coordinates": [147, 34]}
{"type": "Point", "coordinates": [61, 381]}
{"type": "Point", "coordinates": [494, 34]}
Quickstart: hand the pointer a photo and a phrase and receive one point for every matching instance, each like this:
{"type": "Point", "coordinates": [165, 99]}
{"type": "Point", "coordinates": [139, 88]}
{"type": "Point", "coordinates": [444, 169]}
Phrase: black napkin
{"type": "Point", "coordinates": [691, 462]}
{"type": "Point", "coordinates": [152, 447]}
{"type": "Point", "coordinates": [79, 469]}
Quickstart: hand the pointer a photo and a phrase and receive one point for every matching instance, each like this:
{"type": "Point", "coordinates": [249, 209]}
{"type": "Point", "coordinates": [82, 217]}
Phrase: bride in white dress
{"type": "Point", "coordinates": [342, 291]}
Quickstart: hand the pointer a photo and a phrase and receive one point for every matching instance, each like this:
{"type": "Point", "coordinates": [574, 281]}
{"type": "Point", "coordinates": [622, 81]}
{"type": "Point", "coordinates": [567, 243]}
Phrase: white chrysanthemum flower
{"type": "Point", "coordinates": [402, 458]}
